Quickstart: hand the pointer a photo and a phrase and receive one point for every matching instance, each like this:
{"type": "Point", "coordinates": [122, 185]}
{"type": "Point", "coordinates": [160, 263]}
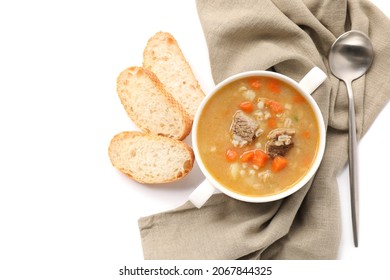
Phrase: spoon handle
{"type": "Point", "coordinates": [353, 164]}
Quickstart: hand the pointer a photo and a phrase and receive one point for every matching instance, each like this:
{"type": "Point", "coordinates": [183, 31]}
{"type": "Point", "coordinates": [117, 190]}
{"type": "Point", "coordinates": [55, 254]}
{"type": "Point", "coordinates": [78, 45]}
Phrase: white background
{"type": "Point", "coordinates": [65, 212]}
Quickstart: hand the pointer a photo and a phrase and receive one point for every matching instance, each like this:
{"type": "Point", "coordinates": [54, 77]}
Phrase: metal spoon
{"type": "Point", "coordinates": [350, 57]}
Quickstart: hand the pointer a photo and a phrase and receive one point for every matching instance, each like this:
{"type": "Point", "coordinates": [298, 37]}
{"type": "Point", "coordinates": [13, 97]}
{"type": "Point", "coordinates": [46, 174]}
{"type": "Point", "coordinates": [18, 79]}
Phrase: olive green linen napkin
{"type": "Point", "coordinates": [290, 37]}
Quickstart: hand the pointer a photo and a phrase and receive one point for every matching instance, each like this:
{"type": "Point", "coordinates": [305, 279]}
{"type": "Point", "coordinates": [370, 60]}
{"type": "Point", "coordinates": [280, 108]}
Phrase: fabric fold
{"type": "Point", "coordinates": [289, 37]}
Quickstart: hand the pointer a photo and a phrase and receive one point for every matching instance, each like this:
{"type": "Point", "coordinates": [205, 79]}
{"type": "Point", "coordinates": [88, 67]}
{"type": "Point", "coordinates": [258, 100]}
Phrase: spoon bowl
{"type": "Point", "coordinates": [350, 57]}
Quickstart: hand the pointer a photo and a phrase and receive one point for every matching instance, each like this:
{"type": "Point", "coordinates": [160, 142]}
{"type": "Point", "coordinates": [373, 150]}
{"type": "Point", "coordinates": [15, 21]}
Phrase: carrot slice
{"type": "Point", "coordinates": [279, 163]}
{"type": "Point", "coordinates": [260, 158]}
{"type": "Point", "coordinates": [247, 106]}
{"type": "Point", "coordinates": [254, 83]}
{"type": "Point", "coordinates": [247, 156]}
{"type": "Point", "coordinates": [297, 98]}
{"type": "Point", "coordinates": [274, 106]}
{"type": "Point", "coordinates": [274, 86]}
{"type": "Point", "coordinates": [271, 123]}
{"type": "Point", "coordinates": [306, 134]}
{"type": "Point", "coordinates": [231, 155]}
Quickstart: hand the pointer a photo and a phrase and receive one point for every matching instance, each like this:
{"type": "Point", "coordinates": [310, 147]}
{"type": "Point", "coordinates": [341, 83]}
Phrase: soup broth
{"type": "Point", "coordinates": [257, 136]}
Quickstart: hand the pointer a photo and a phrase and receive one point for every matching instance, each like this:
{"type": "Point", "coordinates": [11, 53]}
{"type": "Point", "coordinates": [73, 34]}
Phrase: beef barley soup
{"type": "Point", "coordinates": [260, 138]}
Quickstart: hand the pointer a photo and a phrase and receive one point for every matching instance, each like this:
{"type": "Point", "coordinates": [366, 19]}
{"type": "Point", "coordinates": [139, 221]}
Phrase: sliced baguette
{"type": "Point", "coordinates": [149, 158]}
{"type": "Point", "coordinates": [163, 56]}
{"type": "Point", "coordinates": [150, 106]}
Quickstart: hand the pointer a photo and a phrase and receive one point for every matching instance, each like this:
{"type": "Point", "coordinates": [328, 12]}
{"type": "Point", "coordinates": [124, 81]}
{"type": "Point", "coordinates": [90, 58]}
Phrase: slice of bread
{"type": "Point", "coordinates": [150, 106]}
{"type": "Point", "coordinates": [163, 56]}
{"type": "Point", "coordinates": [149, 158]}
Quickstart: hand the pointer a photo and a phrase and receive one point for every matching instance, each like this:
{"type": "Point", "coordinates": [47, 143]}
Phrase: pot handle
{"type": "Point", "coordinates": [202, 193]}
{"type": "Point", "coordinates": [312, 80]}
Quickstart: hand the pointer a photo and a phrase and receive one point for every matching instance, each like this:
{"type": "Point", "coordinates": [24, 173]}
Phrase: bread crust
{"type": "Point", "coordinates": [124, 140]}
{"type": "Point", "coordinates": [186, 90]}
{"type": "Point", "coordinates": [162, 109]}
{"type": "Point", "coordinates": [128, 94]}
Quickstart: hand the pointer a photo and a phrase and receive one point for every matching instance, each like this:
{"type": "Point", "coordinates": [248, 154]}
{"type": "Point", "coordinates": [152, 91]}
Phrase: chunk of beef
{"type": "Point", "coordinates": [243, 129]}
{"type": "Point", "coordinates": [280, 141]}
